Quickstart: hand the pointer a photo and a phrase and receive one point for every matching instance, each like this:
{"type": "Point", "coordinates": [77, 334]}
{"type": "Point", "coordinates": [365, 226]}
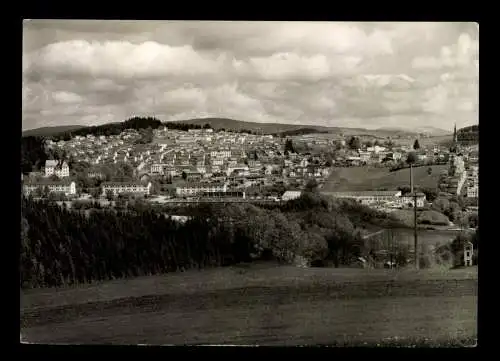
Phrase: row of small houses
{"type": "Point", "coordinates": [68, 187]}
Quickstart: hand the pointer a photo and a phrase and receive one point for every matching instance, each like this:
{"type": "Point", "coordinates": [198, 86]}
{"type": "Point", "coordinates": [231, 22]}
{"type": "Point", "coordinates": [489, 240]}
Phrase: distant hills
{"type": "Point", "coordinates": [235, 125]}
{"type": "Point", "coordinates": [431, 131]}
{"type": "Point", "coordinates": [293, 129]}
{"type": "Point", "coordinates": [50, 131]}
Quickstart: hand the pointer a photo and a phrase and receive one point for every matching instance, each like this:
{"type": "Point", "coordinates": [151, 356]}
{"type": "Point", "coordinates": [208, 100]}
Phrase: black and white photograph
{"type": "Point", "coordinates": [249, 183]}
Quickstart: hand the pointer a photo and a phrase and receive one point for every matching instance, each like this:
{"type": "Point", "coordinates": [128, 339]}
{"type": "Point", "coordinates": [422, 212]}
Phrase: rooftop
{"type": "Point", "coordinates": [199, 185]}
{"type": "Point", "coordinates": [363, 194]}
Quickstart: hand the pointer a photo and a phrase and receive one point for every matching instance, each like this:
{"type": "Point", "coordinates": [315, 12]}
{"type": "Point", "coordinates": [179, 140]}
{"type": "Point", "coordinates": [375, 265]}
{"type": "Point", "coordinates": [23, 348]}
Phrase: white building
{"type": "Point", "coordinates": [220, 154]}
{"type": "Point", "coordinates": [364, 156]}
{"type": "Point", "coordinates": [473, 192]}
{"type": "Point", "coordinates": [241, 170]}
{"type": "Point", "coordinates": [54, 167]}
{"type": "Point", "coordinates": [120, 187]}
{"type": "Point", "coordinates": [290, 195]}
{"type": "Point", "coordinates": [217, 161]}
{"type": "Point", "coordinates": [396, 156]}
{"type": "Point", "coordinates": [408, 199]}
{"type": "Point", "coordinates": [157, 168]}
{"type": "Point", "coordinates": [375, 149]}
{"type": "Point", "coordinates": [68, 188]}
{"type": "Point", "coordinates": [368, 197]}
{"type": "Point", "coordinates": [475, 171]}
{"type": "Point", "coordinates": [190, 189]}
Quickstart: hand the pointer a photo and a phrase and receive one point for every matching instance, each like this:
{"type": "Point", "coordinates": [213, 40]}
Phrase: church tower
{"type": "Point", "coordinates": [455, 140]}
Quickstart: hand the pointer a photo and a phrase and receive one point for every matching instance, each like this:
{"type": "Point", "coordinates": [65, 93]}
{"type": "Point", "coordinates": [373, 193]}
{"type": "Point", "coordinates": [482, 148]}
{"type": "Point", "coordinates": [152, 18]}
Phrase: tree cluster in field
{"type": "Point", "coordinates": [417, 163]}
{"type": "Point", "coordinates": [452, 207]}
{"type": "Point", "coordinates": [289, 147]}
{"type": "Point", "coordinates": [65, 246]}
{"type": "Point", "coordinates": [300, 131]}
{"type": "Point", "coordinates": [453, 252]}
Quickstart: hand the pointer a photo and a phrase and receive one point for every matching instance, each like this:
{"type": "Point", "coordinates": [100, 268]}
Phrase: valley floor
{"type": "Point", "coordinates": [264, 305]}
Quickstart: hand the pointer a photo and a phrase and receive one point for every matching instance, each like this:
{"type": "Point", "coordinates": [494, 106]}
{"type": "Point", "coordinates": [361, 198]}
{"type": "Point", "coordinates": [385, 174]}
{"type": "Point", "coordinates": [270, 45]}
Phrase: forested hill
{"type": "Point", "coordinates": [62, 246]}
{"type": "Point", "coordinates": [468, 134]}
{"type": "Point", "coordinates": [50, 131]}
{"type": "Point", "coordinates": [278, 129]}
{"type": "Point", "coordinates": [265, 128]}
{"type": "Point", "coordinates": [33, 154]}
{"type": "Point", "coordinates": [112, 128]}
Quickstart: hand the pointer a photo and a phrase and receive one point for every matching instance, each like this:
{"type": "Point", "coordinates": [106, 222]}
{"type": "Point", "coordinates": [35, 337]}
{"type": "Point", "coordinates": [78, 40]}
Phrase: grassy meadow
{"type": "Point", "coordinates": [370, 178]}
{"type": "Point", "coordinates": [261, 304]}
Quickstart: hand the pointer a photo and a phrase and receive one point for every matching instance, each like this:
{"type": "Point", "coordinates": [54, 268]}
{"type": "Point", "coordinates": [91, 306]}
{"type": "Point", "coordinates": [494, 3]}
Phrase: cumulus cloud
{"type": "Point", "coordinates": [465, 53]}
{"type": "Point", "coordinates": [66, 97]}
{"type": "Point", "coordinates": [115, 59]}
{"type": "Point", "coordinates": [338, 74]}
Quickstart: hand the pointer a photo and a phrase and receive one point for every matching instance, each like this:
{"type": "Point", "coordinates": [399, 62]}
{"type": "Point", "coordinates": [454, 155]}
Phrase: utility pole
{"type": "Point", "coordinates": [415, 230]}
{"type": "Point", "coordinates": [411, 178]}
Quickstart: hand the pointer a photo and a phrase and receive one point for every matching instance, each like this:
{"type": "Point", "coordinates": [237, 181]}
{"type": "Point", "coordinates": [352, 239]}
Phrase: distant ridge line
{"type": "Point", "coordinates": [238, 125]}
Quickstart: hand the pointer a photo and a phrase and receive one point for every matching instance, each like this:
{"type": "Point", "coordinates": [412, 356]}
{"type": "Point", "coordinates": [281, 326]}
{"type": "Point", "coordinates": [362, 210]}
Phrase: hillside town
{"type": "Point", "coordinates": [238, 183]}
{"type": "Point", "coordinates": [204, 164]}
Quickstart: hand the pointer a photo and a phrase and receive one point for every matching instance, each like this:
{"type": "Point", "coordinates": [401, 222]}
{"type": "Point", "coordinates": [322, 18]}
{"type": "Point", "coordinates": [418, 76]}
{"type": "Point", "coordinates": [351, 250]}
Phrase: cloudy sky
{"type": "Point", "coordinates": [338, 74]}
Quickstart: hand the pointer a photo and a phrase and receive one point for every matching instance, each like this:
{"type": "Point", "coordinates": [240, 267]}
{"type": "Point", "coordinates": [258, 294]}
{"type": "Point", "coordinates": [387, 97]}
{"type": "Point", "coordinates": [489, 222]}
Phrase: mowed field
{"type": "Point", "coordinates": [265, 305]}
{"type": "Point", "coordinates": [370, 178]}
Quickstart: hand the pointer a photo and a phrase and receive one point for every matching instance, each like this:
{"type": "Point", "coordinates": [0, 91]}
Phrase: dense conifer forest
{"type": "Point", "coordinates": [60, 246]}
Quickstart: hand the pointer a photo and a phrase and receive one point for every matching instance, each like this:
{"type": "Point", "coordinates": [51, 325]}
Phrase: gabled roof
{"type": "Point", "coordinates": [122, 184]}
{"type": "Point", "coordinates": [51, 163]}
{"type": "Point", "coordinates": [47, 182]}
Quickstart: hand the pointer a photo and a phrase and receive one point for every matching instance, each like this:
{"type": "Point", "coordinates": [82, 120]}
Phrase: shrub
{"type": "Point", "coordinates": [441, 204]}
{"type": "Point", "coordinates": [433, 218]}
{"type": "Point", "coordinates": [314, 247]}
{"type": "Point", "coordinates": [405, 218]}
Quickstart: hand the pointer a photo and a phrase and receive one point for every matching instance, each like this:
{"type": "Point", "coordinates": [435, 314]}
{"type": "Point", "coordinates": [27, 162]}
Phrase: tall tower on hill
{"type": "Point", "coordinates": [455, 140]}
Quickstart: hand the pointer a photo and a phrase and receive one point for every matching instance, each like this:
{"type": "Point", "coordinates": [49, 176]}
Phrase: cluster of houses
{"type": "Point", "coordinates": [462, 175]}
{"type": "Point", "coordinates": [472, 158]}
{"type": "Point", "coordinates": [382, 156]}
{"type": "Point", "coordinates": [200, 153]}
{"type": "Point", "coordinates": [211, 162]}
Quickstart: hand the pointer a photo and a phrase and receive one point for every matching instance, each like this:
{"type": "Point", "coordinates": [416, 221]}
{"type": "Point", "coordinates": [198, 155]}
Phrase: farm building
{"type": "Point", "coordinates": [367, 197]}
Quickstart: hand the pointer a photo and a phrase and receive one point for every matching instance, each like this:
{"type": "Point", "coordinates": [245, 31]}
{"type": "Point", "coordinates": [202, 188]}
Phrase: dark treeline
{"type": "Point", "coordinates": [136, 123]}
{"type": "Point", "coordinates": [469, 129]}
{"type": "Point", "coordinates": [33, 154]}
{"type": "Point", "coordinates": [61, 246]}
{"type": "Point", "coordinates": [468, 134]}
{"type": "Point", "coordinates": [300, 131]}
{"type": "Point", "coordinates": [403, 165]}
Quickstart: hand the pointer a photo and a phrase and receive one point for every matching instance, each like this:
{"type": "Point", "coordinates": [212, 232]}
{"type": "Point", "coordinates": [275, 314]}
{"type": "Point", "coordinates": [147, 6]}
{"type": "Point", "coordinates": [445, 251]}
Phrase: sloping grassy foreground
{"type": "Point", "coordinates": [369, 178]}
{"type": "Point", "coordinates": [267, 306]}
